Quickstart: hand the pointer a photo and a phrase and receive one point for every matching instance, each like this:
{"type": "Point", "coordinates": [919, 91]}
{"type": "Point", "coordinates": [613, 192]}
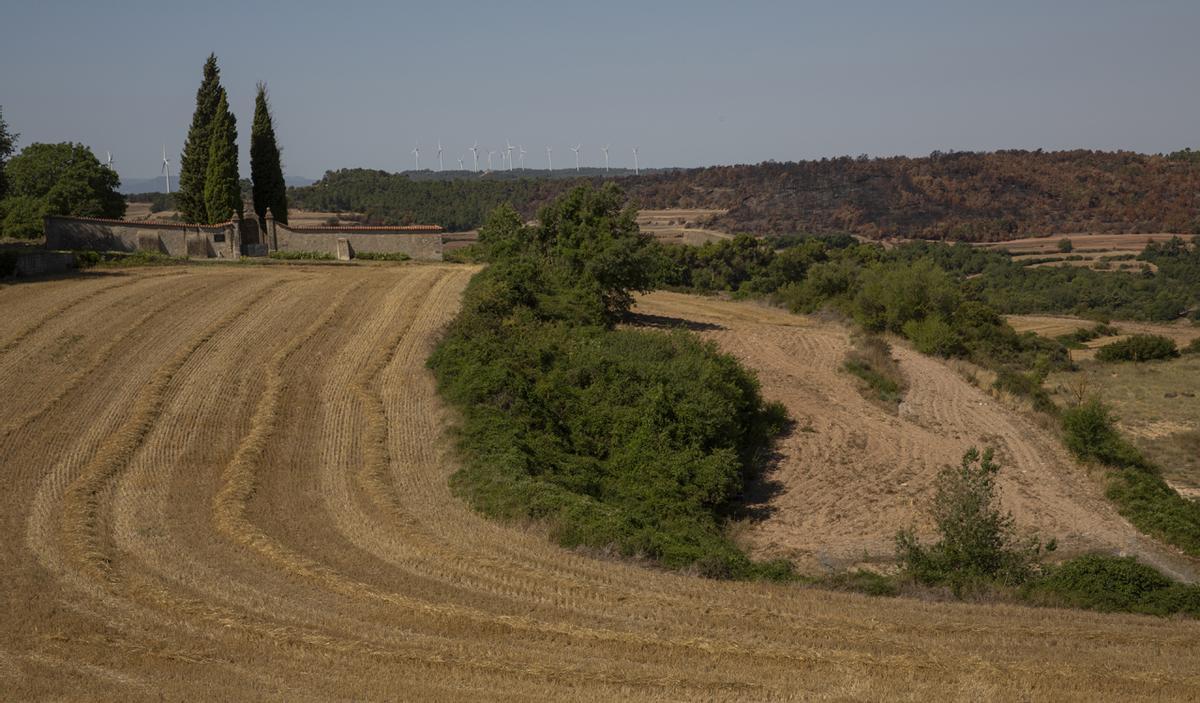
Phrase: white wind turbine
{"type": "Point", "coordinates": [577, 148]}
{"type": "Point", "coordinates": [605, 150]}
{"type": "Point", "coordinates": [108, 160]}
{"type": "Point", "coordinates": [521, 155]}
{"type": "Point", "coordinates": [509, 149]}
{"type": "Point", "coordinates": [416, 152]}
{"type": "Point", "coordinates": [166, 168]}
{"type": "Point", "coordinates": [475, 153]}
{"type": "Point", "coordinates": [636, 172]}
{"type": "Point", "coordinates": [439, 156]}
{"type": "Point", "coordinates": [460, 166]}
{"type": "Point", "coordinates": [490, 155]}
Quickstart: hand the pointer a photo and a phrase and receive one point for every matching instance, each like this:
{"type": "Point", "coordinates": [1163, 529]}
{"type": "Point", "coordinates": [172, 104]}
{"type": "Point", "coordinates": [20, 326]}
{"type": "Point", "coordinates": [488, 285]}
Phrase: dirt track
{"type": "Point", "coordinates": [230, 483]}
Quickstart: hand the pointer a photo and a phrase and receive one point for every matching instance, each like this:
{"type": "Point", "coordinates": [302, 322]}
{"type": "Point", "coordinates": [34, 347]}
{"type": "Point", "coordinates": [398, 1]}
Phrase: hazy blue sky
{"type": "Point", "coordinates": [691, 83]}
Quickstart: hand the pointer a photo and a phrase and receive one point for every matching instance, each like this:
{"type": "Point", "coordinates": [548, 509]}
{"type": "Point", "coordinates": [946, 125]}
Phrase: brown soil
{"type": "Point", "coordinates": [230, 483]}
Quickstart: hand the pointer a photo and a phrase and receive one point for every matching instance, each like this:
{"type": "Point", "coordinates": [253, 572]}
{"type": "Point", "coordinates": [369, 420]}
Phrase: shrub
{"type": "Point", "coordinates": [871, 360]}
{"type": "Point", "coordinates": [1139, 347]}
{"type": "Point", "coordinates": [934, 336]}
{"type": "Point", "coordinates": [1065, 245]}
{"type": "Point", "coordinates": [1076, 339]}
{"type": "Point", "coordinates": [1025, 385]}
{"type": "Point", "coordinates": [978, 543]}
{"type": "Point", "coordinates": [1112, 584]}
{"type": "Point", "coordinates": [636, 441]}
{"type": "Point", "coordinates": [1089, 430]}
{"type": "Point", "coordinates": [302, 255]}
{"type": "Point", "coordinates": [382, 256]}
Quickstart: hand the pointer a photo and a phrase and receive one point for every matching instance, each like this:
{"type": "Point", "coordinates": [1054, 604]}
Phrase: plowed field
{"type": "Point", "coordinates": [231, 483]}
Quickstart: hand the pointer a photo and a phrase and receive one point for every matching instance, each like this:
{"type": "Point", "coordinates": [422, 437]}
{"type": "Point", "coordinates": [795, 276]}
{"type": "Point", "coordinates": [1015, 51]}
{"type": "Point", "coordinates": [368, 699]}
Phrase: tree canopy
{"type": "Point", "coordinates": [222, 190]}
{"type": "Point", "coordinates": [266, 170]}
{"type": "Point", "coordinates": [193, 165]}
{"type": "Point", "coordinates": [57, 179]}
{"type": "Point", "coordinates": [8, 142]}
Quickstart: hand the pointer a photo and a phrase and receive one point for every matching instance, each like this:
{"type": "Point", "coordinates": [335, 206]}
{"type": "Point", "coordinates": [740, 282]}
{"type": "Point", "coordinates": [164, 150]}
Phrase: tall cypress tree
{"type": "Point", "coordinates": [265, 169]}
{"type": "Point", "coordinates": [222, 193]}
{"type": "Point", "coordinates": [193, 164]}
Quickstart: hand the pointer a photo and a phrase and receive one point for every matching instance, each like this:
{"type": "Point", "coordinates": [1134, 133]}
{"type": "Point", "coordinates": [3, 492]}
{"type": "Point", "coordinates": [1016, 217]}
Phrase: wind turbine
{"type": "Point", "coordinates": [439, 156]}
{"type": "Point", "coordinates": [475, 152]}
{"type": "Point", "coordinates": [549, 161]}
{"type": "Point", "coordinates": [108, 160]}
{"type": "Point", "coordinates": [636, 172]}
{"type": "Point", "coordinates": [490, 155]}
{"type": "Point", "coordinates": [577, 148]}
{"type": "Point", "coordinates": [605, 150]}
{"type": "Point", "coordinates": [460, 166]}
{"type": "Point", "coordinates": [509, 149]}
{"type": "Point", "coordinates": [521, 155]}
{"type": "Point", "coordinates": [166, 169]}
{"type": "Point", "coordinates": [416, 152]}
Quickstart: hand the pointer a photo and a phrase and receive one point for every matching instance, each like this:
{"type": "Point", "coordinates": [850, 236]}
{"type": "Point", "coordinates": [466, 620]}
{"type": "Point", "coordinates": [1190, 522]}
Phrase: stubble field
{"type": "Point", "coordinates": [227, 483]}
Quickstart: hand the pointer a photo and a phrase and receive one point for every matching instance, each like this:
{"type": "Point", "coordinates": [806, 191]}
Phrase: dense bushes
{"type": "Point", "coordinates": [1114, 584]}
{"type": "Point", "coordinates": [978, 544]}
{"type": "Point", "coordinates": [1135, 486]}
{"type": "Point", "coordinates": [871, 361]}
{"type": "Point", "coordinates": [617, 439]}
{"type": "Point", "coordinates": [1139, 347]}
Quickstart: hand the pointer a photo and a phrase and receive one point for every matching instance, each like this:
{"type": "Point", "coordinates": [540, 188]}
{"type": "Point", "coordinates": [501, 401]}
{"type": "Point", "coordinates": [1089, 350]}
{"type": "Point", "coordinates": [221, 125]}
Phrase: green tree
{"type": "Point", "coordinates": [58, 179]}
{"type": "Point", "coordinates": [222, 192]}
{"type": "Point", "coordinates": [193, 164]}
{"type": "Point", "coordinates": [8, 142]}
{"type": "Point", "coordinates": [266, 171]}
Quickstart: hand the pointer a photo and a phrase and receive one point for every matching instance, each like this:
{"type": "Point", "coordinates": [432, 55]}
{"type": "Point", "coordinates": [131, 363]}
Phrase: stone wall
{"type": "Point", "coordinates": [423, 243]}
{"type": "Point", "coordinates": [184, 240]}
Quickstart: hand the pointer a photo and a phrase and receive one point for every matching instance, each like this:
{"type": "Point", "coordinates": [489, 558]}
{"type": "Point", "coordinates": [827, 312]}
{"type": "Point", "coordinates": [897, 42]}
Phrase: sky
{"type": "Point", "coordinates": [358, 84]}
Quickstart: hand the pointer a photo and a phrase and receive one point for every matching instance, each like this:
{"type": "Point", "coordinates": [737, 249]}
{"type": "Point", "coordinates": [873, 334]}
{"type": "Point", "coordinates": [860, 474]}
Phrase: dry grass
{"type": "Point", "coordinates": [232, 486]}
{"type": "Point", "coordinates": [681, 226]}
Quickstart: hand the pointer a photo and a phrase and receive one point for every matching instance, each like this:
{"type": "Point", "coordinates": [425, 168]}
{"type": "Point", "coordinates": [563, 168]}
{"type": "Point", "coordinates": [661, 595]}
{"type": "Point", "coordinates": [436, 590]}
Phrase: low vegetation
{"type": "Point", "coordinates": [1113, 584]}
{"type": "Point", "coordinates": [1139, 347]}
{"type": "Point", "coordinates": [382, 256]}
{"type": "Point", "coordinates": [87, 259]}
{"type": "Point", "coordinates": [1079, 338]}
{"type": "Point", "coordinates": [302, 255]}
{"type": "Point", "coordinates": [638, 442]}
{"type": "Point", "coordinates": [872, 362]}
{"type": "Point", "coordinates": [1135, 484]}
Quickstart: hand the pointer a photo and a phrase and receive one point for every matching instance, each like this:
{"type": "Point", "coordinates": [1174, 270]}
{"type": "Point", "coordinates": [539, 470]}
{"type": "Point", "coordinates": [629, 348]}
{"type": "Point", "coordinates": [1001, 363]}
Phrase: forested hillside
{"type": "Point", "coordinates": [964, 196]}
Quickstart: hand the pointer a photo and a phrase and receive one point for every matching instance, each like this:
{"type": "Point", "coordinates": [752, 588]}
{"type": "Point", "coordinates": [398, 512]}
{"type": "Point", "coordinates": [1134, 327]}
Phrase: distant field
{"type": "Point", "coordinates": [681, 226]}
{"type": "Point", "coordinates": [1106, 252]}
{"type": "Point", "coordinates": [1158, 403]}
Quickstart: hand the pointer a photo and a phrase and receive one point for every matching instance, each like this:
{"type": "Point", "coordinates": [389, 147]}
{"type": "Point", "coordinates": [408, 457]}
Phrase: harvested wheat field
{"type": "Point", "coordinates": [229, 483]}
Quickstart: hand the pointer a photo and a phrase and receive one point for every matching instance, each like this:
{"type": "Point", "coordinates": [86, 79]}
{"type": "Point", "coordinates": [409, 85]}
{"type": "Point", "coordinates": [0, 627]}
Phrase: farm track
{"type": "Point", "coordinates": [231, 483]}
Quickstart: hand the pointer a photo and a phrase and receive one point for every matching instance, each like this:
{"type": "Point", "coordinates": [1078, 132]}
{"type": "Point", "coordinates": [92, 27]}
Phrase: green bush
{"type": "Point", "coordinates": [871, 360]}
{"type": "Point", "coordinates": [382, 256]}
{"type": "Point", "coordinates": [934, 336]}
{"type": "Point", "coordinates": [1065, 245]}
{"type": "Point", "coordinates": [302, 255]}
{"type": "Point", "coordinates": [1139, 347]}
{"type": "Point", "coordinates": [636, 441]}
{"type": "Point", "coordinates": [1089, 431]}
{"type": "Point", "coordinates": [1026, 385]}
{"type": "Point", "coordinates": [1076, 339]}
{"type": "Point", "coordinates": [1113, 584]}
{"type": "Point", "coordinates": [978, 543]}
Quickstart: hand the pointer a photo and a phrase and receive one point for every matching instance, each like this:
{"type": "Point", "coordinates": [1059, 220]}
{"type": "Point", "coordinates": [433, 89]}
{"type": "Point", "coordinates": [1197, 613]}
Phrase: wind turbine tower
{"type": "Point", "coordinates": [636, 172]}
{"type": "Point", "coordinates": [460, 166]}
{"type": "Point", "coordinates": [577, 148]}
{"type": "Point", "coordinates": [509, 149]}
{"type": "Point", "coordinates": [549, 161]}
{"type": "Point", "coordinates": [475, 153]}
{"type": "Point", "coordinates": [166, 168]}
{"type": "Point", "coordinates": [521, 155]}
{"type": "Point", "coordinates": [605, 150]}
{"type": "Point", "coordinates": [490, 155]}
{"type": "Point", "coordinates": [416, 152]}
{"type": "Point", "coordinates": [439, 156]}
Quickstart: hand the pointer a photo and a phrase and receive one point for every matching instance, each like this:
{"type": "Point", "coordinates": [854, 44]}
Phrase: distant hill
{"type": "Point", "coordinates": [962, 196]}
{"type": "Point", "coordinates": [158, 185]}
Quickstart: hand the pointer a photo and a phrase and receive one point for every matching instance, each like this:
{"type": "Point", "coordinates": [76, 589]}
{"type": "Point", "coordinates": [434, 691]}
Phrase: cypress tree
{"type": "Point", "coordinates": [222, 192]}
{"type": "Point", "coordinates": [193, 163]}
{"type": "Point", "coordinates": [265, 169]}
